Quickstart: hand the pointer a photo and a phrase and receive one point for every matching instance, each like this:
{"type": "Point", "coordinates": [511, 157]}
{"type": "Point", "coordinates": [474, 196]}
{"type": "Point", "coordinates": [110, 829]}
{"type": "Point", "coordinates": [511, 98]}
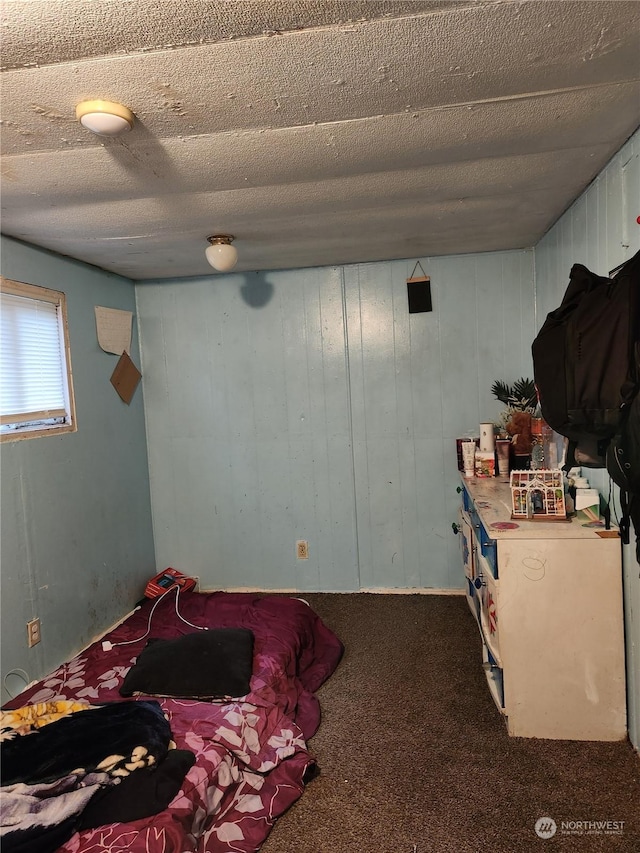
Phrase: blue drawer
{"type": "Point", "coordinates": [486, 544]}
{"type": "Point", "coordinates": [472, 600]}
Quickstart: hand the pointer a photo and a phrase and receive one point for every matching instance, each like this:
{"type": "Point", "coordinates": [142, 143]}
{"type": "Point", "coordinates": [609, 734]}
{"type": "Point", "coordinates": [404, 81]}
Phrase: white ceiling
{"type": "Point", "coordinates": [315, 131]}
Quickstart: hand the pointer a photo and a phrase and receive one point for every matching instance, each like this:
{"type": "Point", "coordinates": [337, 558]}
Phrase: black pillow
{"type": "Point", "coordinates": [215, 664]}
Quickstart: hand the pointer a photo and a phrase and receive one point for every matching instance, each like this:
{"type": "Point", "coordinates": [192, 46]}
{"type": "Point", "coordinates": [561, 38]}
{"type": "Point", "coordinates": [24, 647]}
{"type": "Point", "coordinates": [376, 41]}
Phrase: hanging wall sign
{"type": "Point", "coordinates": [113, 328]}
{"type": "Point", "coordinates": [125, 378]}
{"type": "Point", "coordinates": [419, 291]}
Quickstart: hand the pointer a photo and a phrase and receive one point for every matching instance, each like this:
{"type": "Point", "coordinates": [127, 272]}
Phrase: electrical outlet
{"type": "Point", "coordinates": [302, 549]}
{"type": "Point", "coordinates": [33, 632]}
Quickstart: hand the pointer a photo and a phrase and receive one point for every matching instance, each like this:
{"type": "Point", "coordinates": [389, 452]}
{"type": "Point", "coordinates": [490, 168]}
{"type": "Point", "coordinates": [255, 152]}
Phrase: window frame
{"type": "Point", "coordinates": [59, 299]}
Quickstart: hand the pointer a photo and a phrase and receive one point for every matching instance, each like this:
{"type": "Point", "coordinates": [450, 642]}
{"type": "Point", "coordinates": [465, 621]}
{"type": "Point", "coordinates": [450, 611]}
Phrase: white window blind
{"type": "Point", "coordinates": [34, 377]}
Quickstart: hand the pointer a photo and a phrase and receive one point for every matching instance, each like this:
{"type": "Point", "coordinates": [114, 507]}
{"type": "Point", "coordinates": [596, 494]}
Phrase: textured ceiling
{"type": "Point", "coordinates": [319, 132]}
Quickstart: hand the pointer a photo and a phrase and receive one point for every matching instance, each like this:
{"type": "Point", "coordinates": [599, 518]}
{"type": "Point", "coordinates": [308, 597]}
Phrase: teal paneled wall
{"type": "Point", "coordinates": [600, 230]}
{"type": "Point", "coordinates": [246, 390]}
{"type": "Point", "coordinates": [76, 538]}
{"type": "Point", "coordinates": [310, 404]}
{"type": "Point", "coordinates": [417, 382]}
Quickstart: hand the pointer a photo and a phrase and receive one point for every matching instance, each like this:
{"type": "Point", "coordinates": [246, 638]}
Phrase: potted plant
{"type": "Point", "coordinates": [517, 420]}
{"type": "Point", "coordinates": [519, 397]}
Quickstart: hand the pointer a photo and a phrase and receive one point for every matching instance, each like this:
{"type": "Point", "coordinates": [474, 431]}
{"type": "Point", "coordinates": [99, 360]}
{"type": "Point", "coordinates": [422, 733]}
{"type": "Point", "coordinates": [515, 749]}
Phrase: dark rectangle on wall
{"type": "Point", "coordinates": [419, 292]}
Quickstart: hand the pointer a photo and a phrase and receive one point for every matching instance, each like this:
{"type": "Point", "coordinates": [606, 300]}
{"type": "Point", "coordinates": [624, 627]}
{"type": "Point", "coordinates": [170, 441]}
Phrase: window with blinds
{"type": "Point", "coordinates": [36, 394]}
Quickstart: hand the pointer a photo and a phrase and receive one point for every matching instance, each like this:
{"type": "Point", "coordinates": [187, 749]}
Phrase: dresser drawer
{"type": "Point", "coordinates": [488, 589]}
{"type": "Point", "coordinates": [472, 599]}
{"type": "Point", "coordinates": [484, 543]}
{"type": "Point", "coordinates": [466, 540]}
{"type": "Point", "coordinates": [495, 679]}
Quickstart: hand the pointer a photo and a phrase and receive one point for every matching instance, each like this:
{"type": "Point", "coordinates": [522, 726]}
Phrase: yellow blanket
{"type": "Point", "coordinates": [23, 720]}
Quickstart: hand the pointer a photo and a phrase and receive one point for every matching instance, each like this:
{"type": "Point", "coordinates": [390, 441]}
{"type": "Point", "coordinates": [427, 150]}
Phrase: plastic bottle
{"type": "Point", "coordinates": [537, 455]}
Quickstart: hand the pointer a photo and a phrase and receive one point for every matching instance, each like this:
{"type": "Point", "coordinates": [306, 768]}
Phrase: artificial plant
{"type": "Point", "coordinates": [521, 396]}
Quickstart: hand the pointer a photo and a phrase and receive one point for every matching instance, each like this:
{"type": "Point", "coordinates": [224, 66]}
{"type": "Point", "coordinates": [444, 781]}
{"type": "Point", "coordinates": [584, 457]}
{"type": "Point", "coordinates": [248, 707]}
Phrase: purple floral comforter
{"type": "Point", "coordinates": [251, 754]}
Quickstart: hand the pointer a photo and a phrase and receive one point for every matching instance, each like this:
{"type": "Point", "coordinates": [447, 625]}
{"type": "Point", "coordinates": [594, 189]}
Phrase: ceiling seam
{"type": "Point", "coordinates": [417, 112]}
{"type": "Point", "coordinates": [342, 26]}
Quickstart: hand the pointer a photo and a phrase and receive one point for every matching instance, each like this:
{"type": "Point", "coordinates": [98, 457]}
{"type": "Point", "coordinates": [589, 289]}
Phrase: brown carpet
{"type": "Point", "coordinates": [414, 756]}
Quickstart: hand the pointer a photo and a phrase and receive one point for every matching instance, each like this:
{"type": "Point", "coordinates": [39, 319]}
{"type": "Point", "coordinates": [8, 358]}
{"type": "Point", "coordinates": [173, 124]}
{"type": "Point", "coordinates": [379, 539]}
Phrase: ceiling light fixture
{"type": "Point", "coordinates": [105, 118]}
{"type": "Point", "coordinates": [221, 254]}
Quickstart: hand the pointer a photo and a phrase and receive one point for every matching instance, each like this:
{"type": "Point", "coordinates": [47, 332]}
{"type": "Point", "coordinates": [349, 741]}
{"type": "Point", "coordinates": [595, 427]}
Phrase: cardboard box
{"type": "Point", "coordinates": [587, 505]}
{"type": "Point", "coordinates": [485, 464]}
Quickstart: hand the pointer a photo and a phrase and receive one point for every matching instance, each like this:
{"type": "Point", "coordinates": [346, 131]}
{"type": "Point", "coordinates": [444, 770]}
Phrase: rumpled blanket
{"type": "Point", "coordinates": [23, 720]}
{"type": "Point", "coordinates": [51, 773]}
{"type": "Point", "coordinates": [39, 818]}
{"type": "Point", "coordinates": [252, 760]}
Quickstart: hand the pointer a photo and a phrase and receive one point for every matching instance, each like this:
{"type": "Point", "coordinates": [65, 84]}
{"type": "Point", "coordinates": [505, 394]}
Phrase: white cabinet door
{"type": "Point", "coordinates": [468, 554]}
{"type": "Point", "coordinates": [488, 595]}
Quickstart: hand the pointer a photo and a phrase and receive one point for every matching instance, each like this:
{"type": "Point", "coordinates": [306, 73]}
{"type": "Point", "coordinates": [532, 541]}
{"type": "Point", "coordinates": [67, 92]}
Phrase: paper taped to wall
{"type": "Point", "coordinates": [113, 328]}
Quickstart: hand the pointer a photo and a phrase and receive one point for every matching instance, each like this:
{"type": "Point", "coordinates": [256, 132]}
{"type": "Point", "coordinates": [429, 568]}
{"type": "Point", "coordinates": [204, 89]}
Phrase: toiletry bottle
{"type": "Point", "coordinates": [537, 454]}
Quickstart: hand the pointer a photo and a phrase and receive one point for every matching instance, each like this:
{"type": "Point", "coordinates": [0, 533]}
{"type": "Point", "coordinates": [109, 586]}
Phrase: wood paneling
{"type": "Point", "coordinates": [310, 404]}
{"type": "Point", "coordinates": [600, 230]}
{"type": "Point", "coordinates": [254, 451]}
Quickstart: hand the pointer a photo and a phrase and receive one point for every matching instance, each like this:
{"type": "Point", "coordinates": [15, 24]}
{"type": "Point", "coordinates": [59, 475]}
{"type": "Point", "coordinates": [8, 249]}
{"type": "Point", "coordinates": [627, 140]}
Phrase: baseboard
{"type": "Point", "coordinates": [106, 631]}
{"type": "Point", "coordinates": [418, 590]}
{"type": "Point", "coordinates": [283, 590]}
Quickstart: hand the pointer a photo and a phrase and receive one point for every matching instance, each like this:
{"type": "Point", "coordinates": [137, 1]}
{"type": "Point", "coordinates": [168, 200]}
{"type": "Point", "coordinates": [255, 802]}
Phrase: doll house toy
{"type": "Point", "coordinates": [538, 495]}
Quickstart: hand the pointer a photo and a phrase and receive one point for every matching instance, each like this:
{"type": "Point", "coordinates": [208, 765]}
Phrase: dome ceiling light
{"type": "Point", "coordinates": [105, 118]}
{"type": "Point", "coordinates": [221, 254]}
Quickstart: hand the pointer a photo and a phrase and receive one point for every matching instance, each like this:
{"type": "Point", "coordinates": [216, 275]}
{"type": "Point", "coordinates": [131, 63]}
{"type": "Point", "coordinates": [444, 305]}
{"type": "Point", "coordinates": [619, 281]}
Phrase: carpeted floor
{"type": "Point", "coordinates": [414, 756]}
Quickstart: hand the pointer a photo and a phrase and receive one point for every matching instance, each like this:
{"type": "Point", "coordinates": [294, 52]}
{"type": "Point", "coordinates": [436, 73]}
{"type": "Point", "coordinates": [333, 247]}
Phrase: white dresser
{"type": "Point", "coordinates": [547, 597]}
